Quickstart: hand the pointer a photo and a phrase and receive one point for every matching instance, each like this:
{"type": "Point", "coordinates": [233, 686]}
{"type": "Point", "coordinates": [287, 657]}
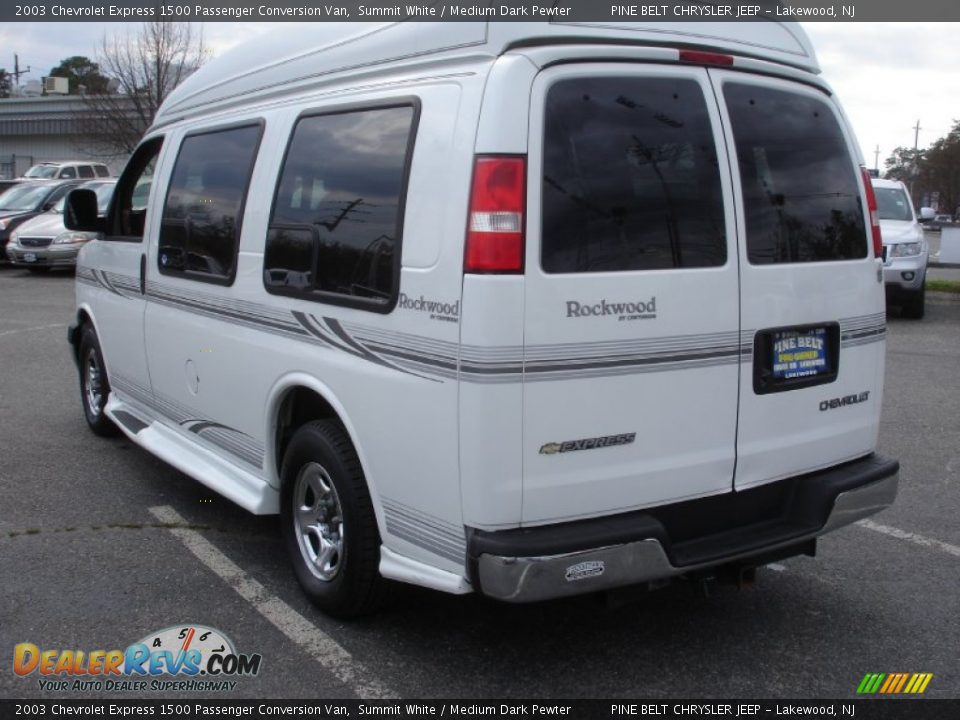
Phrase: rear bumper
{"type": "Point", "coordinates": [774, 521]}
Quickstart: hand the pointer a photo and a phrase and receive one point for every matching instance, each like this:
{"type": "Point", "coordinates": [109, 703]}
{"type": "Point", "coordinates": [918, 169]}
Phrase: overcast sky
{"type": "Point", "coordinates": [887, 75]}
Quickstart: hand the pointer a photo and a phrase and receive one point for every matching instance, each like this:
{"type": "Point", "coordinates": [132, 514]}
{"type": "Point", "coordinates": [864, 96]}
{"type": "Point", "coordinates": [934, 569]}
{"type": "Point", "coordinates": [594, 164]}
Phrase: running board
{"type": "Point", "coordinates": [223, 477]}
{"type": "Point", "coordinates": [394, 566]}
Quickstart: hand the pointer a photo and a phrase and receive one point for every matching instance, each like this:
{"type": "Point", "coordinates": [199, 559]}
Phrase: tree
{"type": "Point", "coordinates": [942, 169]}
{"type": "Point", "coordinates": [145, 67]}
{"type": "Point", "coordinates": [82, 72]}
{"type": "Point", "coordinates": [5, 83]}
{"type": "Point", "coordinates": [903, 164]}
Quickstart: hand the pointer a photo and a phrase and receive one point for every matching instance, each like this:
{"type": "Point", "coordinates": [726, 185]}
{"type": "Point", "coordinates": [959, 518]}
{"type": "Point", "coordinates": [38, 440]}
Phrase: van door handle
{"type": "Point", "coordinates": [143, 274]}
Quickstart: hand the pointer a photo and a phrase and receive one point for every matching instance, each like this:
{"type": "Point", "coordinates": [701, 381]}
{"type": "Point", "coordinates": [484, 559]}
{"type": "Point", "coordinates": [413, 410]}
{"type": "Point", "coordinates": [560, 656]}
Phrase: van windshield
{"type": "Point", "coordinates": [893, 204]}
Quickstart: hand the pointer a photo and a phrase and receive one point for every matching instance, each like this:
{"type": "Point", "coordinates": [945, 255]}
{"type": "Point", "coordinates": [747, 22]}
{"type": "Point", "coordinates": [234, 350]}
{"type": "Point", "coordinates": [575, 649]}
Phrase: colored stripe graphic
{"type": "Point", "coordinates": [891, 681]}
{"type": "Point", "coordinates": [894, 683]}
{"type": "Point", "coordinates": [903, 680]}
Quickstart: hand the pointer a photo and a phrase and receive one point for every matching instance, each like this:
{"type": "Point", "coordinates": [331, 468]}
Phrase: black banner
{"type": "Point", "coordinates": [471, 11]}
{"type": "Point", "coordinates": [862, 709]}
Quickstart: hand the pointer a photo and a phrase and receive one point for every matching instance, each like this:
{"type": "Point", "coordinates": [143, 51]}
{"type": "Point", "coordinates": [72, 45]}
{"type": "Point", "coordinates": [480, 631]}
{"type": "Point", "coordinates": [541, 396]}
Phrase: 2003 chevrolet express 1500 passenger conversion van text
{"type": "Point", "coordinates": [524, 309]}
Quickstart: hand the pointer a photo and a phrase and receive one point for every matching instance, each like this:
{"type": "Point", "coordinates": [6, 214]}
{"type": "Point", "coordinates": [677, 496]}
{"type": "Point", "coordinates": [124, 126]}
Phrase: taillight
{"type": "Point", "coordinates": [874, 215]}
{"type": "Point", "coordinates": [705, 58]}
{"type": "Point", "coordinates": [495, 220]}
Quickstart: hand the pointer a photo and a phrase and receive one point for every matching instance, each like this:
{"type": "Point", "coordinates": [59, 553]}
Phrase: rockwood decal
{"type": "Point", "coordinates": [552, 448]}
{"type": "Point", "coordinates": [621, 310]}
{"type": "Point", "coordinates": [840, 402]}
{"type": "Point", "coordinates": [439, 310]}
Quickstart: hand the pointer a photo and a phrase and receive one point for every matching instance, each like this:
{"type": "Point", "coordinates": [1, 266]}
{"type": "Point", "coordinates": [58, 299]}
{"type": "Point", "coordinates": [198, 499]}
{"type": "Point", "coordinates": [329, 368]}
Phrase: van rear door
{"type": "Point", "coordinates": [632, 344]}
{"type": "Point", "coordinates": [812, 307]}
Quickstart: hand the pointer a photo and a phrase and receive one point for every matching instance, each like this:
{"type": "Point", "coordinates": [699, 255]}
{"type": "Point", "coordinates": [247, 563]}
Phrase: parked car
{"type": "Point", "coordinates": [67, 170]}
{"type": "Point", "coordinates": [599, 308]}
{"type": "Point", "coordinates": [6, 184]}
{"type": "Point", "coordinates": [938, 222]}
{"type": "Point", "coordinates": [905, 249]}
{"type": "Point", "coordinates": [44, 242]}
{"type": "Point", "coordinates": [27, 200]}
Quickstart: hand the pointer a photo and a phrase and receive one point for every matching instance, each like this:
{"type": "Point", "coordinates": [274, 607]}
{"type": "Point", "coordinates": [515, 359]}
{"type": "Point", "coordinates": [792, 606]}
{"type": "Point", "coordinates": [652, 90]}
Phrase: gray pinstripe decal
{"type": "Point", "coordinates": [435, 360]}
{"type": "Point", "coordinates": [235, 442]}
{"type": "Point", "coordinates": [423, 530]}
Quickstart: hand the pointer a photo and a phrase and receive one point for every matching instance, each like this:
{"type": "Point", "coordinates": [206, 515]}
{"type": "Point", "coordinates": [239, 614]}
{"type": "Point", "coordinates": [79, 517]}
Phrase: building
{"type": "Point", "coordinates": [38, 129]}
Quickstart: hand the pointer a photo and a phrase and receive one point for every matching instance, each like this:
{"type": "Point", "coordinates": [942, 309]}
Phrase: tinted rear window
{"type": "Point", "coordinates": [630, 177]}
{"type": "Point", "coordinates": [800, 189]}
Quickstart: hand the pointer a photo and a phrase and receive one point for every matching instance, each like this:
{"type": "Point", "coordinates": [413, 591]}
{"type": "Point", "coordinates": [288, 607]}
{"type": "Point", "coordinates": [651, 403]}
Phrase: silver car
{"type": "Point", "coordinates": [905, 249]}
{"type": "Point", "coordinates": [44, 242]}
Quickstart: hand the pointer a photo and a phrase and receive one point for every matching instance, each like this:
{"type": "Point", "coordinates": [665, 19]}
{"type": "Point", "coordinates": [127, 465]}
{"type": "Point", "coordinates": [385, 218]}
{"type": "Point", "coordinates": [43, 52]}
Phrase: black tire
{"type": "Point", "coordinates": [335, 545]}
{"type": "Point", "coordinates": [915, 306]}
{"type": "Point", "coordinates": [94, 384]}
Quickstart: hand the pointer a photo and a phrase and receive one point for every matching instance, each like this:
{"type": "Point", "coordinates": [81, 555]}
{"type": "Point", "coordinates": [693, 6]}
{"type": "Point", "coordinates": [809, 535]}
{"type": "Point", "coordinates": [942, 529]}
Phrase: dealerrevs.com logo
{"type": "Point", "coordinates": [198, 658]}
{"type": "Point", "coordinates": [638, 310]}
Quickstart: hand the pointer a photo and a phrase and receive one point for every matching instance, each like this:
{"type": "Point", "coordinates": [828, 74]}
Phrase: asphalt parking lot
{"type": "Point", "coordinates": [85, 564]}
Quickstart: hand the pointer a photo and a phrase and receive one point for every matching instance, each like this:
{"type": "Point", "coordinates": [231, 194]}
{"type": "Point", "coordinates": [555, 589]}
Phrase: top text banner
{"type": "Point", "coordinates": [567, 11]}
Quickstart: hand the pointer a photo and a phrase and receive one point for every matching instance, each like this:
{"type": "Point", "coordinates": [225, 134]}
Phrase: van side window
{"type": "Point", "coordinates": [68, 173]}
{"type": "Point", "coordinates": [800, 191]}
{"type": "Point", "coordinates": [101, 170]}
{"type": "Point", "coordinates": [200, 227]}
{"type": "Point", "coordinates": [86, 171]}
{"type": "Point", "coordinates": [630, 177]}
{"type": "Point", "coordinates": [335, 227]}
{"type": "Point", "coordinates": [128, 208]}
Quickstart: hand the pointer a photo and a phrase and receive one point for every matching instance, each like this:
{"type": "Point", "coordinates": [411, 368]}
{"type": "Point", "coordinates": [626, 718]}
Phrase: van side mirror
{"type": "Point", "coordinates": [80, 212]}
{"type": "Point", "coordinates": [927, 214]}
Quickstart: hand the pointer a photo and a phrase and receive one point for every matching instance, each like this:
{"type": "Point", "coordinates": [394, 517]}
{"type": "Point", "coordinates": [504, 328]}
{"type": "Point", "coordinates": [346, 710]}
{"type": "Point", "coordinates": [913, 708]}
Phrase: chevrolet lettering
{"type": "Point", "coordinates": [844, 401]}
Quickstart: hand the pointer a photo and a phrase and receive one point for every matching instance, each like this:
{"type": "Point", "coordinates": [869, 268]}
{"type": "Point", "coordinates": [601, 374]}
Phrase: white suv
{"type": "Point", "coordinates": [905, 249]}
{"type": "Point", "coordinates": [66, 170]}
{"type": "Point", "coordinates": [523, 309]}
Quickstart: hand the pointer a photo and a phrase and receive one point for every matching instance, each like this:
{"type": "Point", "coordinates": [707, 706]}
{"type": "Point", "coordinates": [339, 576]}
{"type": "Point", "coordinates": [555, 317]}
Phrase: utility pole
{"type": "Point", "coordinates": [916, 141]}
{"type": "Point", "coordinates": [17, 72]}
{"type": "Point", "coordinates": [876, 159]}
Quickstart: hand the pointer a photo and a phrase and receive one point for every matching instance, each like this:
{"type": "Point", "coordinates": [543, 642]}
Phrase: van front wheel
{"type": "Point", "coordinates": [94, 385]}
{"type": "Point", "coordinates": [329, 526]}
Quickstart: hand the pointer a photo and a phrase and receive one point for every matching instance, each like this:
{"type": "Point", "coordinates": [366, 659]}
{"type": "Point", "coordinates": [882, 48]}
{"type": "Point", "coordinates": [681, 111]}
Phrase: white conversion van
{"type": "Point", "coordinates": [523, 309]}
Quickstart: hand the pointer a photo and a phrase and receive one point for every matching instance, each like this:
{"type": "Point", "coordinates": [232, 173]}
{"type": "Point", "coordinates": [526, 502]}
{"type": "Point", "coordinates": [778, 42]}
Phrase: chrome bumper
{"type": "Point", "coordinates": [532, 579]}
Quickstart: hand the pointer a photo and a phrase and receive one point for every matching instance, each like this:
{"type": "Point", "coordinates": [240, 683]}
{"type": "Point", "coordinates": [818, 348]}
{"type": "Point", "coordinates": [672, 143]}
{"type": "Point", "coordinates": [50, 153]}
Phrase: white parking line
{"type": "Point", "coordinates": [31, 329]}
{"type": "Point", "coordinates": [324, 649]}
{"type": "Point", "coordinates": [910, 537]}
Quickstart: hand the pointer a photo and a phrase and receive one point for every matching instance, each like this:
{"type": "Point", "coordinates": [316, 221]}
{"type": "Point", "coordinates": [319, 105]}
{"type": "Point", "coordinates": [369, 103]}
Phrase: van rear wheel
{"type": "Point", "coordinates": [329, 526]}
